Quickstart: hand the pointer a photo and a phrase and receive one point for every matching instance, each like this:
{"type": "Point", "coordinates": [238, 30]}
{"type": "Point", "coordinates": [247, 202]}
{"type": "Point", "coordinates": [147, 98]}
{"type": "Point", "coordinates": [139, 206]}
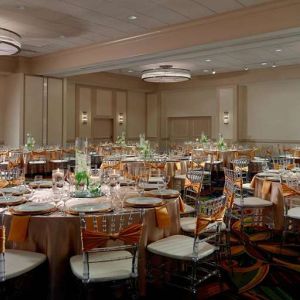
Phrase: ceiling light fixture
{"type": "Point", "coordinates": [278, 50]}
{"type": "Point", "coordinates": [205, 71]}
{"type": "Point", "coordinates": [132, 18]}
{"type": "Point", "coordinates": [129, 71]}
{"type": "Point", "coordinates": [166, 73]}
{"type": "Point", "coordinates": [208, 60]}
{"type": "Point", "coordinates": [10, 42]}
{"type": "Point", "coordinates": [274, 65]}
{"type": "Point", "coordinates": [264, 63]}
{"type": "Point", "coordinates": [246, 68]}
{"type": "Point", "coordinates": [213, 71]}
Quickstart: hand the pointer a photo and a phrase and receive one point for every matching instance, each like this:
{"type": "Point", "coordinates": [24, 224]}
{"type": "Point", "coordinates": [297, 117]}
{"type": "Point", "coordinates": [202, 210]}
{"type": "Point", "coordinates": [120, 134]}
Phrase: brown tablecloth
{"type": "Point", "coordinates": [59, 238]}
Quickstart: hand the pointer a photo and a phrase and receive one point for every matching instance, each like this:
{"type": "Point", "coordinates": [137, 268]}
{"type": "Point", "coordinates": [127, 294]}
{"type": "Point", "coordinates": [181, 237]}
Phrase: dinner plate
{"type": "Point", "coordinates": [155, 179]}
{"type": "Point", "coordinates": [15, 191]}
{"type": "Point", "coordinates": [11, 200]}
{"type": "Point", "coordinates": [166, 194]}
{"type": "Point", "coordinates": [89, 208]}
{"type": "Point", "coordinates": [33, 208]}
{"type": "Point", "coordinates": [274, 171]}
{"type": "Point", "coordinates": [144, 201]}
{"type": "Point", "coordinates": [41, 184]}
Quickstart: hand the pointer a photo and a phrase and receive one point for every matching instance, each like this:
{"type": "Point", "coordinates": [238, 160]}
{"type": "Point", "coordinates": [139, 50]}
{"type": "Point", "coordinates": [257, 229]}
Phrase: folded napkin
{"type": "Point", "coordinates": [3, 183]}
{"type": "Point", "coordinates": [252, 183]}
{"type": "Point", "coordinates": [181, 204]}
{"type": "Point", "coordinates": [162, 217]}
{"type": "Point", "coordinates": [18, 228]}
{"type": "Point", "coordinates": [288, 191]}
{"type": "Point", "coordinates": [266, 189]}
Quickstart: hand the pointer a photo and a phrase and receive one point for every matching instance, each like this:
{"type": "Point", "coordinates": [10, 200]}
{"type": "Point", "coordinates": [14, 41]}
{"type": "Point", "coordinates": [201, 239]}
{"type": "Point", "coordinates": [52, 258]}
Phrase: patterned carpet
{"type": "Point", "coordinates": [262, 269]}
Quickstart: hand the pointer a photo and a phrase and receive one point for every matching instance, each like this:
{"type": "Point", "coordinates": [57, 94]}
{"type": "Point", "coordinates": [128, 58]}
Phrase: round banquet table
{"type": "Point", "coordinates": [58, 237]}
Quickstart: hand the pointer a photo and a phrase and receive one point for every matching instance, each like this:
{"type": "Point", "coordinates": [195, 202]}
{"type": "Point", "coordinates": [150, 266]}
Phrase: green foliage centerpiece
{"type": "Point", "coordinates": [30, 142]}
{"type": "Point", "coordinates": [221, 144]}
{"type": "Point", "coordinates": [121, 139]}
{"type": "Point", "coordinates": [82, 165]}
{"type": "Point", "coordinates": [145, 148]}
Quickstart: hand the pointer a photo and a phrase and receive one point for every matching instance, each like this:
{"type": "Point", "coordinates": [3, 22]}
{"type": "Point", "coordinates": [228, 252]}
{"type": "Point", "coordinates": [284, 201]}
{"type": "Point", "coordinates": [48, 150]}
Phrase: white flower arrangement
{"type": "Point", "coordinates": [30, 142]}
{"type": "Point", "coordinates": [203, 138]}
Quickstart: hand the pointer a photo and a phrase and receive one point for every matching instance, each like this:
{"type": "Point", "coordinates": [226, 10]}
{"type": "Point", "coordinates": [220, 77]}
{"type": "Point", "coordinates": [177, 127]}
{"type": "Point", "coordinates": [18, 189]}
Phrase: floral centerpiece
{"type": "Point", "coordinates": [221, 144]}
{"type": "Point", "coordinates": [121, 140]}
{"type": "Point", "coordinates": [203, 138]}
{"type": "Point", "coordinates": [145, 148]}
{"type": "Point", "coordinates": [30, 142]}
{"type": "Point", "coordinates": [82, 165]}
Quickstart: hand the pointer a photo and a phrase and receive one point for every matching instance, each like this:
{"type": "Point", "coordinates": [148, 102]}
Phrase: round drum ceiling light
{"type": "Point", "coordinates": [10, 42]}
{"type": "Point", "coordinates": [166, 73]}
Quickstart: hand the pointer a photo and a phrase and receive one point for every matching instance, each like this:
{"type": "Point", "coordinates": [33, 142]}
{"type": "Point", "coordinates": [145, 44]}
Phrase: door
{"type": "Point", "coordinates": [188, 128]}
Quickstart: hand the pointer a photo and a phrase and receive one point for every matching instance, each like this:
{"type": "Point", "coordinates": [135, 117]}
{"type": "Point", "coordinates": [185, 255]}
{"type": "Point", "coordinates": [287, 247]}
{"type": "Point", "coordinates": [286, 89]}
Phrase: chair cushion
{"type": "Point", "coordinates": [180, 177]}
{"type": "Point", "coordinates": [188, 209]}
{"type": "Point", "coordinates": [247, 186]}
{"type": "Point", "coordinates": [18, 262]}
{"type": "Point", "coordinates": [37, 162]}
{"type": "Point", "coordinates": [253, 202]}
{"type": "Point", "coordinates": [180, 247]}
{"type": "Point", "coordinates": [294, 213]}
{"type": "Point", "coordinates": [106, 266]}
{"type": "Point", "coordinates": [188, 224]}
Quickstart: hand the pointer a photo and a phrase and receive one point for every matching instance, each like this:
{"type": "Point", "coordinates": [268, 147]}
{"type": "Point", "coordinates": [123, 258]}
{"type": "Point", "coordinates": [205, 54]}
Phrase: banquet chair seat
{"type": "Point", "coordinates": [188, 224]}
{"type": "Point", "coordinates": [294, 213]}
{"type": "Point", "coordinates": [248, 188]}
{"type": "Point", "coordinates": [108, 266]}
{"type": "Point", "coordinates": [252, 202]}
{"type": "Point", "coordinates": [19, 262]}
{"type": "Point", "coordinates": [183, 249]}
{"type": "Point", "coordinates": [188, 209]}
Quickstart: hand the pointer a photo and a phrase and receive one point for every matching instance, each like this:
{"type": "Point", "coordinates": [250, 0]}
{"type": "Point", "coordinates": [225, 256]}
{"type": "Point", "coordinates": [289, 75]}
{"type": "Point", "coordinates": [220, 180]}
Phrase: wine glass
{"type": "Point", "coordinates": [37, 181]}
{"type": "Point", "coordinates": [166, 180]}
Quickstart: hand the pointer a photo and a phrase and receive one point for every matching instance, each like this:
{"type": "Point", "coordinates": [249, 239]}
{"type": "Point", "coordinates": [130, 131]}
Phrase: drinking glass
{"type": "Point", "coordinates": [37, 181]}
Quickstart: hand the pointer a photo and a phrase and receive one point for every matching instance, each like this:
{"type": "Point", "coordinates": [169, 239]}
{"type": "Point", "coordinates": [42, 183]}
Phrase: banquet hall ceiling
{"type": "Point", "coordinates": [49, 26]}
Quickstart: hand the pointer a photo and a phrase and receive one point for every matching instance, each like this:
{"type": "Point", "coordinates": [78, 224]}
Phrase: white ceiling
{"type": "Point", "coordinates": [48, 26]}
{"type": "Point", "coordinates": [266, 51]}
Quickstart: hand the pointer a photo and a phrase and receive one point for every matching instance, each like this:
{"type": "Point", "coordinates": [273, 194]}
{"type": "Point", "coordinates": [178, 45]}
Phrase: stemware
{"type": "Point", "coordinates": [37, 181]}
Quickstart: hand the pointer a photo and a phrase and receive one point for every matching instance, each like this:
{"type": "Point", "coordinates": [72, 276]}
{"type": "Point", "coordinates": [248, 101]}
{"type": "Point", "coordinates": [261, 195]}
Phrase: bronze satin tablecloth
{"type": "Point", "coordinates": [59, 238]}
{"type": "Point", "coordinates": [276, 197]}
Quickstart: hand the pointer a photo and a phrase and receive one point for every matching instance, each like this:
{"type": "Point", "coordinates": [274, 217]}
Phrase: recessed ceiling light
{"type": "Point", "coordinates": [129, 71]}
{"type": "Point", "coordinates": [274, 65]}
{"type": "Point", "coordinates": [246, 68]}
{"type": "Point", "coordinates": [213, 71]}
{"type": "Point", "coordinates": [208, 60]}
{"type": "Point", "coordinates": [264, 63]}
{"type": "Point", "coordinates": [132, 18]}
{"type": "Point", "coordinates": [278, 50]}
{"type": "Point", "coordinates": [205, 71]}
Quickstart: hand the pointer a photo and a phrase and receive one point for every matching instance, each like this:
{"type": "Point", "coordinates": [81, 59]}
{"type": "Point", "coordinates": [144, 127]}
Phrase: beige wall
{"type": "Point", "coordinates": [2, 109]}
{"type": "Point", "coordinates": [272, 109]}
{"type": "Point", "coordinates": [193, 102]}
{"type": "Point", "coordinates": [13, 119]}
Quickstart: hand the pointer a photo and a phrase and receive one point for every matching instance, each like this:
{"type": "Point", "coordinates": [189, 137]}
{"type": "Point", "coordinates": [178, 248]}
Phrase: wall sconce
{"type": "Point", "coordinates": [84, 117]}
{"type": "Point", "coordinates": [120, 118]}
{"type": "Point", "coordinates": [226, 117]}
